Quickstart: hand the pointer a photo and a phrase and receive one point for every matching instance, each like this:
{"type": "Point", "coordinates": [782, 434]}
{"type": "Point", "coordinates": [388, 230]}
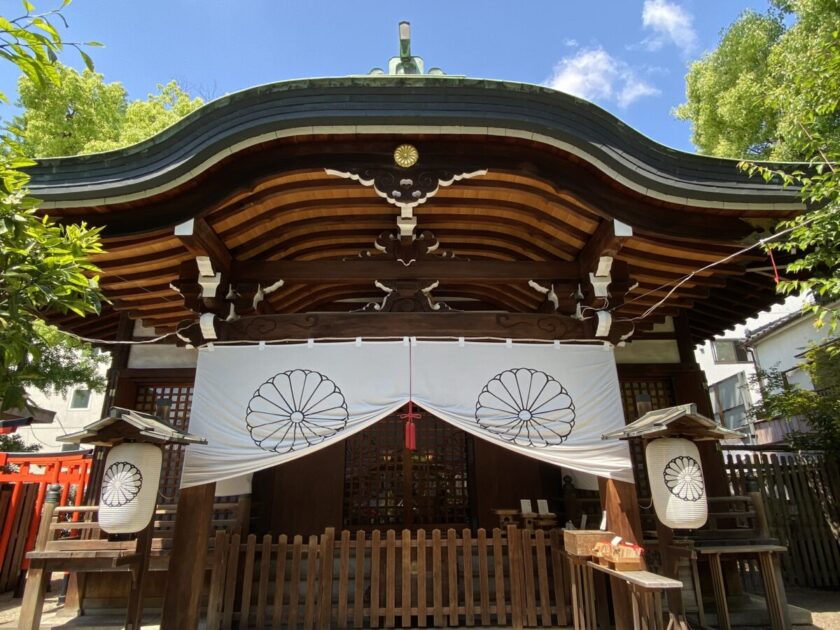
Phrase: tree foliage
{"type": "Point", "coordinates": [814, 237]}
{"type": "Point", "coordinates": [771, 89]}
{"type": "Point", "coordinates": [81, 113]}
{"type": "Point", "coordinates": [749, 96]}
{"type": "Point", "coordinates": [44, 267]}
{"type": "Point", "coordinates": [14, 444]}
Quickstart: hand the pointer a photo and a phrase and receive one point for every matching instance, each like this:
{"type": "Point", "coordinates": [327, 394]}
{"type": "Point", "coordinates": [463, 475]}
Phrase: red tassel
{"type": "Point", "coordinates": [775, 268]}
{"type": "Point", "coordinates": [410, 436]}
{"type": "Point", "coordinates": [410, 427]}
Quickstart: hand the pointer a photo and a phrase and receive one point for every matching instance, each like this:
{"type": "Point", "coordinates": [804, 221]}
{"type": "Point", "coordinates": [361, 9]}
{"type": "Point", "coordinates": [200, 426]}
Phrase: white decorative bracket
{"type": "Point", "coordinates": [205, 265]}
{"type": "Point", "coordinates": [604, 266]}
{"type": "Point", "coordinates": [259, 296]}
{"type": "Point", "coordinates": [604, 324]}
{"type": "Point", "coordinates": [208, 326]}
{"type": "Point", "coordinates": [406, 225]}
{"type": "Point", "coordinates": [232, 316]}
{"type": "Point", "coordinates": [600, 284]}
{"type": "Point", "coordinates": [548, 292]}
{"type": "Point", "coordinates": [209, 285]}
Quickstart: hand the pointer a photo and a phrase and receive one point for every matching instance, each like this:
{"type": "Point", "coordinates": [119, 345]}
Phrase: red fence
{"type": "Point", "coordinates": [24, 479]}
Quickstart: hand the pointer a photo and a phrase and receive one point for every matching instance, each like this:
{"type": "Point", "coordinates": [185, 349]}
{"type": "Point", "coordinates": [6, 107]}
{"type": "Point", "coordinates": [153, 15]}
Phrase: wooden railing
{"type": "Point", "coordinates": [515, 578]}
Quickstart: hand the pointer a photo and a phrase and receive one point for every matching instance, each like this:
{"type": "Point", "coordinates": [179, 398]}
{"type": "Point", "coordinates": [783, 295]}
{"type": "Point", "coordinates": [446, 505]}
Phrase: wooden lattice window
{"type": "Point", "coordinates": [661, 392]}
{"type": "Point", "coordinates": [180, 396]}
{"type": "Point", "coordinates": [389, 485]}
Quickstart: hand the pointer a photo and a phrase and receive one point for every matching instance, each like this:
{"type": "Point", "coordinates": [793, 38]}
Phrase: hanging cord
{"type": "Point", "coordinates": [410, 417]}
{"type": "Point", "coordinates": [676, 284]}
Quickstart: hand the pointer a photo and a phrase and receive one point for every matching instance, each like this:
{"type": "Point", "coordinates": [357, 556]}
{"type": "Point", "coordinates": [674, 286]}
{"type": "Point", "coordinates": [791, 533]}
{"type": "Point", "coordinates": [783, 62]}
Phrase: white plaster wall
{"type": "Point", "coordinates": [66, 420]}
{"type": "Point", "coordinates": [161, 356]}
{"type": "Point", "coordinates": [648, 351]}
{"type": "Point", "coordinates": [716, 372]}
{"type": "Point", "coordinates": [782, 349]}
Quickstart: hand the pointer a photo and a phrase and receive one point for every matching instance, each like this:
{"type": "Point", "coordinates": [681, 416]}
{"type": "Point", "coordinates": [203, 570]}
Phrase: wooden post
{"type": "Point", "coordinates": [38, 576]}
{"type": "Point", "coordinates": [619, 500]}
{"type": "Point", "coordinates": [189, 556]}
{"type": "Point", "coordinates": [134, 612]}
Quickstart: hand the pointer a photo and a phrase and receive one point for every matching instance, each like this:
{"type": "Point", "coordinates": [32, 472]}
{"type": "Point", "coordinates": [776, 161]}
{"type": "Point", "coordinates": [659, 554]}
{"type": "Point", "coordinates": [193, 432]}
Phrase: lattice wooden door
{"type": "Point", "coordinates": [387, 485]}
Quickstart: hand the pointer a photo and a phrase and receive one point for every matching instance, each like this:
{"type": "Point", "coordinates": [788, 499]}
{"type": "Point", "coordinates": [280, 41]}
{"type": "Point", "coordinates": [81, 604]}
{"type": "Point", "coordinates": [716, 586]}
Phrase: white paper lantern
{"type": "Point", "coordinates": [129, 488]}
{"type": "Point", "coordinates": [676, 482]}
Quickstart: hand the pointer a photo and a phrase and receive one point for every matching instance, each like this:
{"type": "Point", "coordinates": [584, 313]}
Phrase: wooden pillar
{"type": "Point", "coordinates": [619, 500]}
{"type": "Point", "coordinates": [134, 612]}
{"type": "Point", "coordinates": [182, 602]}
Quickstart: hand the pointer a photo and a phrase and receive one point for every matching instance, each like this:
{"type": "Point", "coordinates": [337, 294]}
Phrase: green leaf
{"type": "Point", "coordinates": [86, 58]}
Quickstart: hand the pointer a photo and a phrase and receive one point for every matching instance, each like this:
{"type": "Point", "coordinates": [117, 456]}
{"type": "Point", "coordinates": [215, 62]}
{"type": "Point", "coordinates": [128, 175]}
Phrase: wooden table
{"type": "Point", "coordinates": [771, 578]}
{"type": "Point", "coordinates": [646, 593]}
{"type": "Point", "coordinates": [645, 589]}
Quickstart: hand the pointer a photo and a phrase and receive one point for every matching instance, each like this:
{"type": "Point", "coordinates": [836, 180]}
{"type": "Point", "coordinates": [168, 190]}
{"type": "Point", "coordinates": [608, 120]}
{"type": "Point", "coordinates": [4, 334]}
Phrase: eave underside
{"type": "Point", "coordinates": [276, 202]}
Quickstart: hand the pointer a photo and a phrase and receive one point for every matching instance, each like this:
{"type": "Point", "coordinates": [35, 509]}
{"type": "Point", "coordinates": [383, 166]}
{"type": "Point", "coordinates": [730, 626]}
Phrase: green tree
{"type": "Point", "coordinates": [749, 96]}
{"type": "Point", "coordinates": [727, 91]}
{"type": "Point", "coordinates": [771, 89]}
{"type": "Point", "coordinates": [44, 267]}
{"type": "Point", "coordinates": [80, 113]}
{"type": "Point", "coordinates": [14, 444]}
{"type": "Point", "coordinates": [814, 237]}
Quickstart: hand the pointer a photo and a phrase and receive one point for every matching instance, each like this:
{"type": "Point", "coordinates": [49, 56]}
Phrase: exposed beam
{"type": "Point", "coordinates": [200, 239]}
{"type": "Point", "coordinates": [368, 270]}
{"type": "Point", "coordinates": [607, 241]}
{"type": "Point", "coordinates": [448, 324]}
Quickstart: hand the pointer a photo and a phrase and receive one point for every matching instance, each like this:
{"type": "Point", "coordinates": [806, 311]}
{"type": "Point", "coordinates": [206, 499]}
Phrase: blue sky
{"type": "Point", "coordinates": [629, 56]}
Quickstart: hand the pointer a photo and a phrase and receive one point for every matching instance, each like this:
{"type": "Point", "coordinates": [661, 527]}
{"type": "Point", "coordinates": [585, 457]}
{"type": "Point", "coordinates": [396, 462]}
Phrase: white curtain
{"type": "Point", "coordinates": [261, 407]}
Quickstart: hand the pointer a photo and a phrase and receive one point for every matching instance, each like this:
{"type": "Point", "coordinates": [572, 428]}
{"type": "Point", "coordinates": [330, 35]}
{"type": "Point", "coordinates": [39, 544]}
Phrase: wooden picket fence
{"type": "Point", "coordinates": [387, 579]}
{"type": "Point", "coordinates": [802, 499]}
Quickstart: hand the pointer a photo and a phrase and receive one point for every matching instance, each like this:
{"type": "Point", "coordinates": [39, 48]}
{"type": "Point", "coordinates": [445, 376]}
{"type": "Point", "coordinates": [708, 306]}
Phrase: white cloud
{"type": "Point", "coordinates": [571, 43]}
{"type": "Point", "coordinates": [670, 23]}
{"type": "Point", "coordinates": [634, 90]}
{"type": "Point", "coordinates": [596, 75]}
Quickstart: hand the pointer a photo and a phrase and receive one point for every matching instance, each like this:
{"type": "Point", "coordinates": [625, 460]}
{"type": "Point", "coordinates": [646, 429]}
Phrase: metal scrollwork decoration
{"type": "Point", "coordinates": [407, 187]}
{"type": "Point", "coordinates": [121, 483]}
{"type": "Point", "coordinates": [527, 407]}
{"type": "Point", "coordinates": [684, 478]}
{"type": "Point", "coordinates": [294, 410]}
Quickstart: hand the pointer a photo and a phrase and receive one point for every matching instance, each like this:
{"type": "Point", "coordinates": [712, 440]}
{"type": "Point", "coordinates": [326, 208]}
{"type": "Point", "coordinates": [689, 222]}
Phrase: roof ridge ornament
{"type": "Point", "coordinates": [405, 63]}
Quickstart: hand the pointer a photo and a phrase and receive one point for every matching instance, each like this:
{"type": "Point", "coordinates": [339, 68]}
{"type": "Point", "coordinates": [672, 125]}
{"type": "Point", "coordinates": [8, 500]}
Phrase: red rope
{"type": "Point", "coordinates": [410, 417]}
{"type": "Point", "coordinates": [775, 268]}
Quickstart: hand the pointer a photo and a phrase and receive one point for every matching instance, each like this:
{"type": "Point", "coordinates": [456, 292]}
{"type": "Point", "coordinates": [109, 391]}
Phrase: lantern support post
{"type": "Point", "coordinates": [619, 500]}
{"type": "Point", "coordinates": [181, 604]}
{"type": "Point", "coordinates": [134, 612]}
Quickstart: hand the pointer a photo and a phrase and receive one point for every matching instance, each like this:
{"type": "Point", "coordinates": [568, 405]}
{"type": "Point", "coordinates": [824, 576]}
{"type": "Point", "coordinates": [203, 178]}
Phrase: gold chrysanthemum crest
{"type": "Point", "coordinates": [406, 155]}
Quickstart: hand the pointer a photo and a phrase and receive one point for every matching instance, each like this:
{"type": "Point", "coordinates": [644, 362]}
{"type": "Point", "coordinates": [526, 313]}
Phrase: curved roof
{"type": "Point", "coordinates": [254, 166]}
{"type": "Point", "coordinates": [359, 105]}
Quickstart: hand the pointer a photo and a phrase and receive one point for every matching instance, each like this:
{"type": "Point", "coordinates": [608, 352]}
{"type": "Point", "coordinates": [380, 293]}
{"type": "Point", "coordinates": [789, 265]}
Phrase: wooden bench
{"type": "Point", "coordinates": [89, 550]}
{"type": "Point", "coordinates": [736, 530]}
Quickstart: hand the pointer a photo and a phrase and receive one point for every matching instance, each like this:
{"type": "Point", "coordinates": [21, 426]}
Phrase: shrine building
{"type": "Point", "coordinates": [406, 300]}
